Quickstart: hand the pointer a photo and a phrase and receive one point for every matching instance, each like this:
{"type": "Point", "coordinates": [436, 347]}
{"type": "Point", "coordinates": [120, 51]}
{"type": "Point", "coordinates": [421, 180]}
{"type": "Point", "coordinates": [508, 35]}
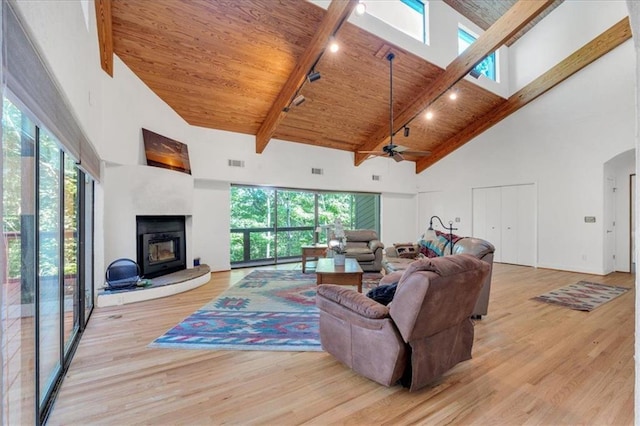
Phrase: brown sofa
{"type": "Point", "coordinates": [424, 331]}
{"type": "Point", "coordinates": [483, 250]}
{"type": "Point", "coordinates": [364, 246]}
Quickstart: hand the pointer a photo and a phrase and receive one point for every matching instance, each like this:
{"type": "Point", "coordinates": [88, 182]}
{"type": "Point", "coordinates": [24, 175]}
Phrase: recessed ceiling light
{"type": "Point", "coordinates": [361, 8]}
{"type": "Point", "coordinates": [453, 95]}
{"type": "Point", "coordinates": [334, 46]}
{"type": "Point", "coordinates": [429, 115]}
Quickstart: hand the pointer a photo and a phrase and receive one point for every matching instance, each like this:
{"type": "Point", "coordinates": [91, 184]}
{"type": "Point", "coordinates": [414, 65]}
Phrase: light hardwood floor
{"type": "Point", "coordinates": [533, 363]}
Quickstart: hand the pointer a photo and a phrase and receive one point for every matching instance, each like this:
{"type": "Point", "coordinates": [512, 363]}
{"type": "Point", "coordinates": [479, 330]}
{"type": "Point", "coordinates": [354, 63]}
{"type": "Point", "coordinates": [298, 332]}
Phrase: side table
{"type": "Point", "coordinates": [315, 250]}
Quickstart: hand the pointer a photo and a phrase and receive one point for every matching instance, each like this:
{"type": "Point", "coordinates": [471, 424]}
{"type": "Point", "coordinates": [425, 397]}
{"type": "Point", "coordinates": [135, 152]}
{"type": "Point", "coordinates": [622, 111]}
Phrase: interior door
{"type": "Point", "coordinates": [526, 225]}
{"type": "Point", "coordinates": [494, 221]}
{"type": "Point", "coordinates": [486, 217]}
{"type": "Point", "coordinates": [632, 242]}
{"type": "Point", "coordinates": [609, 225]}
{"type": "Point", "coordinates": [509, 224]}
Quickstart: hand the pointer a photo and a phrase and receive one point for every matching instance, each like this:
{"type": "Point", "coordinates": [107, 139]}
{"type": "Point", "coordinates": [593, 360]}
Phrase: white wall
{"type": "Point", "coordinates": [570, 26]}
{"type": "Point", "coordinates": [560, 142]}
{"type": "Point", "coordinates": [212, 220]}
{"type": "Point", "coordinates": [450, 206]}
{"type": "Point", "coordinates": [398, 218]}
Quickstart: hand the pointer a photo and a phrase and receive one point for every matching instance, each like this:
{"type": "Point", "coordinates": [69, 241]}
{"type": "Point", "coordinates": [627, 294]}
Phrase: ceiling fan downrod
{"type": "Point", "coordinates": [390, 57]}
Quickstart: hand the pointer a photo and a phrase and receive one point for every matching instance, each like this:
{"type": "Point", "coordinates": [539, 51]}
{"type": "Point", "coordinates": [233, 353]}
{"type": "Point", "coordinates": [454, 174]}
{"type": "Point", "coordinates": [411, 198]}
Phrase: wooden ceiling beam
{"type": "Point", "coordinates": [590, 52]}
{"type": "Point", "coordinates": [105, 34]}
{"type": "Point", "coordinates": [337, 13]}
{"type": "Point", "coordinates": [523, 12]}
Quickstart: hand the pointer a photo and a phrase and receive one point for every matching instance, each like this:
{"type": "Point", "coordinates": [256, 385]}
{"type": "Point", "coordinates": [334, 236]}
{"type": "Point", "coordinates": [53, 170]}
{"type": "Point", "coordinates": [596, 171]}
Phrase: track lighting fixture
{"type": "Point", "coordinates": [475, 73]}
{"type": "Point", "coordinates": [298, 100]}
{"type": "Point", "coordinates": [313, 76]}
{"type": "Point", "coordinates": [406, 131]}
{"type": "Point", "coordinates": [333, 46]}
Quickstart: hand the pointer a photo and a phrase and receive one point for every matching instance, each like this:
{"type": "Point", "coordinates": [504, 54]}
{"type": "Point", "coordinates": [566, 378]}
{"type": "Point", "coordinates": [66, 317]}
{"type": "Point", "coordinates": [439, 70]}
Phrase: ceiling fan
{"type": "Point", "coordinates": [392, 150]}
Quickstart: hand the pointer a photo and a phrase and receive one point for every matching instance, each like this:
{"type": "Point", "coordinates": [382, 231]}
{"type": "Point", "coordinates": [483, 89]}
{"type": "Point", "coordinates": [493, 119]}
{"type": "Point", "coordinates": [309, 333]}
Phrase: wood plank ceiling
{"type": "Point", "coordinates": [223, 64]}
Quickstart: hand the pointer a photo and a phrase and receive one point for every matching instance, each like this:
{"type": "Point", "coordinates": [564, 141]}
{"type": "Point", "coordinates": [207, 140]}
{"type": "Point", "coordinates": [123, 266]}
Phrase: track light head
{"type": "Point", "coordinates": [475, 73]}
{"type": "Point", "coordinates": [361, 8]}
{"type": "Point", "coordinates": [406, 131]}
{"type": "Point", "coordinates": [313, 76]}
{"type": "Point", "coordinates": [298, 100]}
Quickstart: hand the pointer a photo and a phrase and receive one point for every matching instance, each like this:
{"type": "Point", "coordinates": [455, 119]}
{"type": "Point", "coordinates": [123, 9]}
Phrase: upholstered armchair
{"type": "Point", "coordinates": [364, 246]}
{"type": "Point", "coordinates": [422, 333]}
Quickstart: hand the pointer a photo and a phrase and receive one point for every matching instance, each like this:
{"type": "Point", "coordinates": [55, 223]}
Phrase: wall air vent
{"type": "Point", "coordinates": [376, 177]}
{"type": "Point", "coordinates": [236, 163]}
{"type": "Point", "coordinates": [316, 171]}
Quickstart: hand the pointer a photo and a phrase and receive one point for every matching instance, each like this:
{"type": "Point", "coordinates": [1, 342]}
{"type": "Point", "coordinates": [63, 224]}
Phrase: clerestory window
{"type": "Point", "coordinates": [408, 16]}
{"type": "Point", "coordinates": [488, 66]}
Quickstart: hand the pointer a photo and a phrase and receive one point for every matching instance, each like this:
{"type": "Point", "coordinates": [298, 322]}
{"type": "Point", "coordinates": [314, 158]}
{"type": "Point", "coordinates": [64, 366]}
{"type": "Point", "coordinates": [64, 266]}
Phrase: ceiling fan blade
{"type": "Point", "coordinates": [372, 152]}
{"type": "Point", "coordinates": [400, 148]}
{"type": "Point", "coordinates": [397, 157]}
{"type": "Point", "coordinates": [418, 153]}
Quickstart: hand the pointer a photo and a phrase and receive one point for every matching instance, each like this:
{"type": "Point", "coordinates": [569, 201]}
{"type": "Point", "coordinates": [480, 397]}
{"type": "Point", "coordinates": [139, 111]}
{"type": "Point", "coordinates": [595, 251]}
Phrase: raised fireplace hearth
{"type": "Point", "coordinates": [161, 245]}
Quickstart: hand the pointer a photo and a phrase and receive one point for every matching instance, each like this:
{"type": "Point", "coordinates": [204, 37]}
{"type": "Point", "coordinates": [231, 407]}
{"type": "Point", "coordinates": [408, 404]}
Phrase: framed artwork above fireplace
{"type": "Point", "coordinates": [164, 152]}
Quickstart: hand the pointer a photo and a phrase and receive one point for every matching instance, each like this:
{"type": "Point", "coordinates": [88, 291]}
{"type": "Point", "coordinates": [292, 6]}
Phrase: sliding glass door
{"type": "Point", "coordinates": [295, 224]}
{"type": "Point", "coordinates": [48, 309]}
{"type": "Point", "coordinates": [47, 219]}
{"type": "Point", "coordinates": [270, 225]}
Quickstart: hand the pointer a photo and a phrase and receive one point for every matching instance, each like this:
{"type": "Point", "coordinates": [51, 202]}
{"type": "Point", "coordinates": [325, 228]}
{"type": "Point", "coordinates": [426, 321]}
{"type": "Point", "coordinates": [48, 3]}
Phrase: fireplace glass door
{"type": "Point", "coordinates": [162, 251]}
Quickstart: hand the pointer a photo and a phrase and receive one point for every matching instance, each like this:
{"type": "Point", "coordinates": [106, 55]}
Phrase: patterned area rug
{"type": "Point", "coordinates": [582, 296]}
{"type": "Point", "coordinates": [266, 311]}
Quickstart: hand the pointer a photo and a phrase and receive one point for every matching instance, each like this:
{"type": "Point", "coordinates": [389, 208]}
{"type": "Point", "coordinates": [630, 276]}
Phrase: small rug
{"type": "Point", "coordinates": [268, 310]}
{"type": "Point", "coordinates": [582, 296]}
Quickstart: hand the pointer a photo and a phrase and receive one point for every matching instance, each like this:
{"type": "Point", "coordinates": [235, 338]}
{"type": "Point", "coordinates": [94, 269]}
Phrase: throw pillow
{"type": "Point", "coordinates": [383, 294]}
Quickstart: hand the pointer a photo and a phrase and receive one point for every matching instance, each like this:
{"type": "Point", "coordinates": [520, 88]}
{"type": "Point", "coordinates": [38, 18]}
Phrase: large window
{"type": "Point", "coordinates": [47, 232]}
{"type": "Point", "coordinates": [488, 65]}
{"type": "Point", "coordinates": [269, 225]}
{"type": "Point", "coordinates": [408, 16]}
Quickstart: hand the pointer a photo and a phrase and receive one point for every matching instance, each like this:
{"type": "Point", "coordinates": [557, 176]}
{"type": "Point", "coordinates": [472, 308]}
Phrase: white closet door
{"type": "Point", "coordinates": [486, 217]}
{"type": "Point", "coordinates": [506, 217]}
{"type": "Point", "coordinates": [526, 225]}
{"type": "Point", "coordinates": [509, 224]}
{"type": "Point", "coordinates": [494, 221]}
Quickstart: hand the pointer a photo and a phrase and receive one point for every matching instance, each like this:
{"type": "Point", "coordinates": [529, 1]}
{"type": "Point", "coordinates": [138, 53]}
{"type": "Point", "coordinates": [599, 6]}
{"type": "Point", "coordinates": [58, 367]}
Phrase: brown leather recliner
{"type": "Point", "coordinates": [422, 333]}
{"type": "Point", "coordinates": [394, 266]}
{"type": "Point", "coordinates": [364, 246]}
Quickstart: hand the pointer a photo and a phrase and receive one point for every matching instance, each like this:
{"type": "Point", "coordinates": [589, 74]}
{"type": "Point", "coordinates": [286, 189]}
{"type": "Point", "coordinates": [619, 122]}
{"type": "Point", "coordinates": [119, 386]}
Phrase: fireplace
{"type": "Point", "coordinates": [161, 244]}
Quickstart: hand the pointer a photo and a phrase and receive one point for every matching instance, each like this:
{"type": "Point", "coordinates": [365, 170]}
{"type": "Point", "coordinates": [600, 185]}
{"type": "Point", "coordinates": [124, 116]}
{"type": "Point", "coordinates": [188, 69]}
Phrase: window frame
{"type": "Point", "coordinates": [468, 37]}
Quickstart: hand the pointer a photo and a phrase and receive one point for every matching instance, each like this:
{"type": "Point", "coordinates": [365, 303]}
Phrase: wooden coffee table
{"type": "Point", "coordinates": [349, 274]}
{"type": "Point", "coordinates": [315, 250]}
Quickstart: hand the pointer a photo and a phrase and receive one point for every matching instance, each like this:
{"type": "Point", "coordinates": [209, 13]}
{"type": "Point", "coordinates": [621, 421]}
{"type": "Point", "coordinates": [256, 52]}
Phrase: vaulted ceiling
{"type": "Point", "coordinates": [237, 65]}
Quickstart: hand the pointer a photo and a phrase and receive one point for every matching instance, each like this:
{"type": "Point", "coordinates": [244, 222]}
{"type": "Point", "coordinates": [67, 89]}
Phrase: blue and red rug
{"type": "Point", "coordinates": [267, 310]}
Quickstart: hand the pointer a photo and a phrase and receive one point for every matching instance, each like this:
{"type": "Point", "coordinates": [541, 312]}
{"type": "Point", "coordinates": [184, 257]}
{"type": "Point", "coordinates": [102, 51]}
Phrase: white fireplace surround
{"type": "Point", "coordinates": [136, 190]}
